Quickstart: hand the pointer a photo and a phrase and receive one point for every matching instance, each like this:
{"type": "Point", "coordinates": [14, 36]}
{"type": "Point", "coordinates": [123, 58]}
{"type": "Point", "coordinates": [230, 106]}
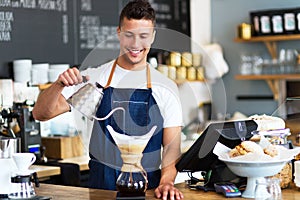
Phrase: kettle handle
{"type": "Point", "coordinates": [84, 80]}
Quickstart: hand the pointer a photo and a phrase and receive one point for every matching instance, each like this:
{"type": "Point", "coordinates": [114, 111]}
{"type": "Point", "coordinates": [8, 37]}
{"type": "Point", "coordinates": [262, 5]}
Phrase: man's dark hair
{"type": "Point", "coordinates": [137, 9]}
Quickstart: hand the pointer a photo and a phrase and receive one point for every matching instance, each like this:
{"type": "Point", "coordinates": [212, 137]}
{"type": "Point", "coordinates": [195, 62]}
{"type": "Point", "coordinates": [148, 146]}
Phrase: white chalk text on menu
{"type": "Point", "coordinates": [92, 34]}
{"type": "Point", "coordinates": [7, 16]}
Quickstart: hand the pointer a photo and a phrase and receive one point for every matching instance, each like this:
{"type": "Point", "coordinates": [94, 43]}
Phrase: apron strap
{"type": "Point", "coordinates": [148, 77]}
{"type": "Point", "coordinates": [113, 70]}
{"type": "Point", "coordinates": [111, 74]}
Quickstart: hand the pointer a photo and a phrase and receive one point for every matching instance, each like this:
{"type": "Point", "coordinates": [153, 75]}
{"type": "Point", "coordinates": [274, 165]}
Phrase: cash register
{"type": "Point", "coordinates": [200, 156]}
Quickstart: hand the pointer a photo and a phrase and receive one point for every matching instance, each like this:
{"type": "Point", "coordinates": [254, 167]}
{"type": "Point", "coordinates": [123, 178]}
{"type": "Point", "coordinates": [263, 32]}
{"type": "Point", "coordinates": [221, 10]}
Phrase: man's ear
{"type": "Point", "coordinates": [153, 36]}
{"type": "Point", "coordinates": [118, 32]}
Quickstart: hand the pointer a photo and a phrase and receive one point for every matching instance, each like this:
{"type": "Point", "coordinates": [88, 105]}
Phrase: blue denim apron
{"type": "Point", "coordinates": [141, 114]}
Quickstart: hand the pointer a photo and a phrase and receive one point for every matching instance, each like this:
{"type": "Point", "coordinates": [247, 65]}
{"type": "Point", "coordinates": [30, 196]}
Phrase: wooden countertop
{"type": "Point", "coordinates": [46, 171]}
{"type": "Point", "coordinates": [82, 161]}
{"type": "Point", "coordinates": [66, 192]}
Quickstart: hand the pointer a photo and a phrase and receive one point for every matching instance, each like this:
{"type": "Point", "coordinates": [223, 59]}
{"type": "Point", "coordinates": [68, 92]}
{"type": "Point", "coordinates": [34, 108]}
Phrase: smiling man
{"type": "Point", "coordinates": [136, 37]}
{"type": "Point", "coordinates": [148, 98]}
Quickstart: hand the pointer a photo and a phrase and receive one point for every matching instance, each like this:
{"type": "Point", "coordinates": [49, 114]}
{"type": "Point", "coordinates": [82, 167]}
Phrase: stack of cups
{"type": "Point", "coordinates": [22, 70]}
{"type": "Point", "coordinates": [55, 70]}
{"type": "Point", "coordinates": [297, 173]}
{"type": "Point", "coordinates": [39, 73]}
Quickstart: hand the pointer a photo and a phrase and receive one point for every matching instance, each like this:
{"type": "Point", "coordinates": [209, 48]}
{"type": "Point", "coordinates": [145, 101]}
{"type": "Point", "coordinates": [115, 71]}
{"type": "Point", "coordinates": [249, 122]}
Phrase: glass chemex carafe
{"type": "Point", "coordinates": [22, 178]}
{"type": "Point", "coordinates": [133, 178]}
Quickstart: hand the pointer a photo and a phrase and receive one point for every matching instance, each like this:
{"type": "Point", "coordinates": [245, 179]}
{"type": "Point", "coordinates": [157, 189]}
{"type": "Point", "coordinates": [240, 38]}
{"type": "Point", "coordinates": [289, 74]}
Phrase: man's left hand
{"type": "Point", "coordinates": [167, 190]}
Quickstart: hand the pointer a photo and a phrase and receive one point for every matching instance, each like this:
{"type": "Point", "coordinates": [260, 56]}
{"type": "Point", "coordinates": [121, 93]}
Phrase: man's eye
{"type": "Point", "coordinates": [144, 36]}
{"type": "Point", "coordinates": [128, 35]}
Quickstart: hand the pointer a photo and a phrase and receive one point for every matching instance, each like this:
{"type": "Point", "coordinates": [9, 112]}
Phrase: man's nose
{"type": "Point", "coordinates": [136, 40]}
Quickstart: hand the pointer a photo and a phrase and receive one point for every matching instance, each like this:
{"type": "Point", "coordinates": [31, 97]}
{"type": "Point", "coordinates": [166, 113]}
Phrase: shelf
{"type": "Point", "coordinates": [270, 38]}
{"type": "Point", "coordinates": [268, 77]}
{"type": "Point", "coordinates": [270, 41]}
{"type": "Point", "coordinates": [274, 81]}
{"type": "Point", "coordinates": [179, 82]}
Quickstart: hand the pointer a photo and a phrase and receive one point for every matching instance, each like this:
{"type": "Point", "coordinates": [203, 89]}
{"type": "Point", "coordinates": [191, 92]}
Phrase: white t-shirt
{"type": "Point", "coordinates": [164, 90]}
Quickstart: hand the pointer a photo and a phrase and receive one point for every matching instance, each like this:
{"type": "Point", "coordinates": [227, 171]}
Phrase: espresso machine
{"type": "Point", "coordinates": [31, 140]}
{"type": "Point", "coordinates": [28, 129]}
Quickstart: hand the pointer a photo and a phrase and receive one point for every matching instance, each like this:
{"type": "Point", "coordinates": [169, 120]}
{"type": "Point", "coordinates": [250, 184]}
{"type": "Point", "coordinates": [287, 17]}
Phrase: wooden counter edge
{"type": "Point", "coordinates": [82, 161]}
{"type": "Point", "coordinates": [45, 171]}
{"type": "Point", "coordinates": [67, 192]}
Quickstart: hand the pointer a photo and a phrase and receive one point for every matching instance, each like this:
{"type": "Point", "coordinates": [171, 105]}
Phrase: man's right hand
{"type": "Point", "coordinates": [70, 77]}
{"type": "Point", "coordinates": [51, 102]}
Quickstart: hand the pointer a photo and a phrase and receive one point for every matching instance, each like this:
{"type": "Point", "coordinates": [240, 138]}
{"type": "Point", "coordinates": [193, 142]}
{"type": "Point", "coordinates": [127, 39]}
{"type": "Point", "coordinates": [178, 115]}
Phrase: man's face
{"type": "Point", "coordinates": [136, 37]}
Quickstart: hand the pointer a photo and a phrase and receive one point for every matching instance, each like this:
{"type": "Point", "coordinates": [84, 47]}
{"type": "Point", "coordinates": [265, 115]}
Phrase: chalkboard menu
{"type": "Point", "coordinates": [67, 31]}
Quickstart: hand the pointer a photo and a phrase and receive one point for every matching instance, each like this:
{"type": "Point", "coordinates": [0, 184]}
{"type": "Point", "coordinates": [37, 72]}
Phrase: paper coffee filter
{"type": "Point", "coordinates": [131, 144]}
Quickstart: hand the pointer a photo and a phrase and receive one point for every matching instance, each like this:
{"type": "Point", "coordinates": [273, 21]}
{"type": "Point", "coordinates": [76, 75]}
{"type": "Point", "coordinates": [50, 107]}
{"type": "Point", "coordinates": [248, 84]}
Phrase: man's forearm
{"type": "Point", "coordinates": [171, 153]}
{"type": "Point", "coordinates": [168, 174]}
{"type": "Point", "coordinates": [50, 103]}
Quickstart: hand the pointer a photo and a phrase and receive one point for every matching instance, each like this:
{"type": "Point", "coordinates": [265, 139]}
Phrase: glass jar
{"type": "Point", "coordinates": [274, 188]}
{"type": "Point", "coordinates": [187, 59]}
{"type": "Point", "coordinates": [200, 73]}
{"type": "Point", "coordinates": [261, 190]}
{"type": "Point", "coordinates": [288, 59]}
{"type": "Point", "coordinates": [181, 73]}
{"type": "Point", "coordinates": [175, 59]}
{"type": "Point", "coordinates": [163, 69]}
{"type": "Point", "coordinates": [197, 59]}
{"type": "Point", "coordinates": [244, 31]}
{"type": "Point", "coordinates": [191, 73]}
{"type": "Point", "coordinates": [268, 189]}
{"type": "Point", "coordinates": [257, 64]}
{"type": "Point", "coordinates": [172, 72]}
{"type": "Point", "coordinates": [246, 64]}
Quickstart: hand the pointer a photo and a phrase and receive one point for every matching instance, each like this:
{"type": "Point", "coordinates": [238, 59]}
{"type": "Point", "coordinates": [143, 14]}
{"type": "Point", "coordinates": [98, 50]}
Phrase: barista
{"type": "Point", "coordinates": [148, 98]}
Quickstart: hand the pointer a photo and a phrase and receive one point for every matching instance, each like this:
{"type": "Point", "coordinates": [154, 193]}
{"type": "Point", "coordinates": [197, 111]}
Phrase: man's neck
{"type": "Point", "coordinates": [129, 66]}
